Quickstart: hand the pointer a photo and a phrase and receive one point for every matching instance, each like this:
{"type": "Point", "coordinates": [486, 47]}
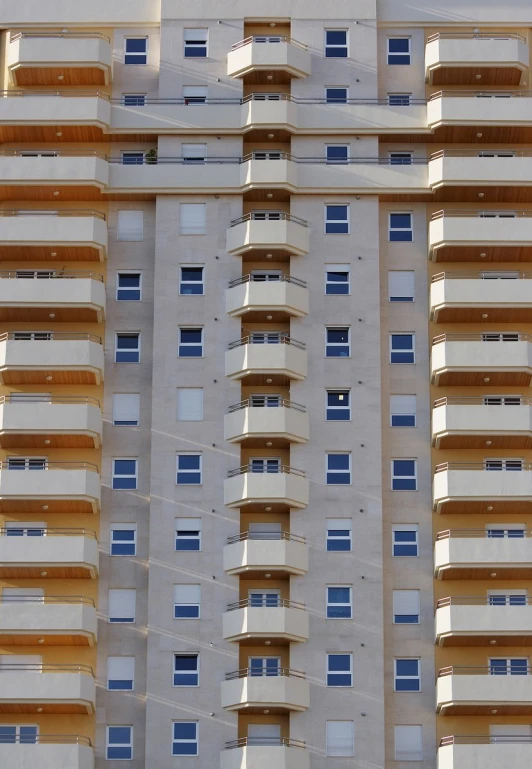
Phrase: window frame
{"type": "Point", "coordinates": [337, 538]}
{"type": "Point", "coordinates": [108, 680]}
{"type": "Point", "coordinates": [198, 604]}
{"type": "Point", "coordinates": [392, 230]}
{"type": "Point", "coordinates": [122, 620]}
{"type": "Point", "coordinates": [332, 673]}
{"type": "Point", "coordinates": [184, 345]}
{"type": "Point", "coordinates": [136, 53]}
{"type": "Point", "coordinates": [403, 350]}
{"type": "Point", "coordinates": [399, 99]}
{"type": "Point", "coordinates": [332, 222]}
{"type": "Point", "coordinates": [333, 472]}
{"type": "Point", "coordinates": [396, 414]}
{"type": "Point", "coordinates": [176, 741]}
{"type": "Point", "coordinates": [136, 349]}
{"type": "Point", "coordinates": [335, 46]}
{"type": "Point", "coordinates": [196, 673]}
{"type": "Point", "coordinates": [405, 527]}
{"type": "Point", "coordinates": [329, 408]}
{"type": "Point", "coordinates": [109, 744]}
{"type": "Point", "coordinates": [395, 53]}
{"type": "Point", "coordinates": [401, 299]}
{"type": "Point", "coordinates": [329, 100]}
{"type": "Point", "coordinates": [198, 538]}
{"type": "Point", "coordinates": [349, 604]}
{"type": "Point", "coordinates": [335, 754]}
{"type": "Point", "coordinates": [132, 96]}
{"type": "Point", "coordinates": [119, 273]}
{"type": "Point", "coordinates": [334, 345]}
{"type": "Point", "coordinates": [338, 269]}
{"type": "Point", "coordinates": [409, 477]}
{"type": "Point", "coordinates": [196, 44]}
{"type": "Point", "coordinates": [397, 677]}
{"type": "Point", "coordinates": [133, 543]}
{"type": "Point", "coordinates": [188, 471]}
{"type": "Point", "coordinates": [124, 422]}
{"type": "Point", "coordinates": [407, 622]}
{"type": "Point", "coordinates": [115, 475]}
{"type": "Point", "coordinates": [183, 283]}
{"type": "Point", "coordinates": [339, 161]}
{"type": "Point", "coordinates": [18, 738]}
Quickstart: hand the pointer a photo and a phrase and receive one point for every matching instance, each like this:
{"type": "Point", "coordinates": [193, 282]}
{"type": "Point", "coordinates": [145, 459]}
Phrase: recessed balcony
{"type": "Point", "coordinates": [30, 485]}
{"type": "Point", "coordinates": [265, 354]}
{"type": "Point", "coordinates": [48, 553]}
{"type": "Point", "coordinates": [266, 54]}
{"type": "Point", "coordinates": [252, 554]}
{"type": "Point", "coordinates": [497, 422]}
{"type": "Point", "coordinates": [471, 58]}
{"type": "Point", "coordinates": [251, 691]}
{"type": "Point", "coordinates": [492, 486]}
{"type": "Point", "coordinates": [268, 230]}
{"type": "Point", "coordinates": [51, 421]}
{"type": "Point", "coordinates": [480, 168]}
{"type": "Point", "coordinates": [245, 621]}
{"type": "Point", "coordinates": [57, 620]}
{"type": "Point", "coordinates": [481, 297]}
{"type": "Point", "coordinates": [80, 114]}
{"type": "Point", "coordinates": [46, 295]}
{"type": "Point", "coordinates": [253, 297]}
{"type": "Point", "coordinates": [489, 752]}
{"type": "Point", "coordinates": [282, 486]}
{"type": "Point", "coordinates": [65, 235]}
{"type": "Point", "coordinates": [47, 751]}
{"type": "Point", "coordinates": [59, 58]}
{"type": "Point", "coordinates": [483, 553]}
{"type": "Point", "coordinates": [287, 423]}
{"type": "Point", "coordinates": [50, 357]}
{"type": "Point", "coordinates": [481, 236]}
{"type": "Point", "coordinates": [476, 360]}
{"type": "Point", "coordinates": [37, 688]}
{"type": "Point", "coordinates": [477, 621]}
{"type": "Point", "coordinates": [283, 753]}
{"type": "Point", "coordinates": [476, 691]}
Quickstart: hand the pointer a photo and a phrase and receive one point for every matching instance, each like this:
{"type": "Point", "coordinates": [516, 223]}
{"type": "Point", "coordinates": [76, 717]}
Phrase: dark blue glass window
{"type": "Point", "coordinates": [398, 50]}
{"type": "Point", "coordinates": [401, 228]}
{"type": "Point", "coordinates": [128, 287]}
{"type": "Point", "coordinates": [127, 348]}
{"type": "Point", "coordinates": [186, 670]}
{"type": "Point", "coordinates": [402, 348]}
{"type": "Point", "coordinates": [339, 670]}
{"type": "Point", "coordinates": [190, 343]}
{"type": "Point", "coordinates": [336, 95]}
{"type": "Point", "coordinates": [185, 738]}
{"type": "Point", "coordinates": [337, 281]}
{"type": "Point", "coordinates": [407, 676]}
{"type": "Point", "coordinates": [124, 474]}
{"type": "Point", "coordinates": [336, 220]}
{"type": "Point", "coordinates": [136, 50]}
{"type": "Point", "coordinates": [189, 469]}
{"type": "Point", "coordinates": [404, 475]}
{"type": "Point", "coordinates": [338, 405]}
{"type": "Point", "coordinates": [191, 281]}
{"type": "Point", "coordinates": [123, 542]}
{"type": "Point", "coordinates": [119, 744]}
{"type": "Point", "coordinates": [335, 43]}
{"type": "Point", "coordinates": [405, 544]}
{"type": "Point", "coordinates": [339, 603]}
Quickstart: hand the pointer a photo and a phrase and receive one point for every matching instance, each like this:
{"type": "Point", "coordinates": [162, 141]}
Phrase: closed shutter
{"type": "Point", "coordinates": [406, 602]}
{"type": "Point", "coordinates": [401, 284]}
{"type": "Point", "coordinates": [188, 524]}
{"type": "Point", "coordinates": [190, 404]}
{"type": "Point", "coordinates": [189, 594]}
{"type": "Point", "coordinates": [122, 604]}
{"type": "Point", "coordinates": [340, 738]}
{"type": "Point", "coordinates": [408, 743]}
{"type": "Point", "coordinates": [192, 218]}
{"type": "Point", "coordinates": [130, 225]}
{"type": "Point", "coordinates": [120, 668]}
{"type": "Point", "coordinates": [194, 150]}
{"type": "Point", "coordinates": [126, 408]}
{"type": "Point", "coordinates": [403, 404]}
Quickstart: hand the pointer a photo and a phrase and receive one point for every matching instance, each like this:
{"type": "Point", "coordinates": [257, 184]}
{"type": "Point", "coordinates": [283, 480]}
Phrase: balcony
{"type": "Point", "coordinates": [262, 355]}
{"type": "Point", "coordinates": [483, 554]}
{"type": "Point", "coordinates": [65, 235]}
{"type": "Point", "coordinates": [283, 753]}
{"type": "Point", "coordinates": [268, 53]}
{"type": "Point", "coordinates": [244, 621]}
{"type": "Point", "coordinates": [494, 358]}
{"type": "Point", "coordinates": [51, 553]}
{"type": "Point", "coordinates": [57, 620]}
{"type": "Point", "coordinates": [248, 486]}
{"type": "Point", "coordinates": [503, 422]}
{"type": "Point", "coordinates": [80, 114]}
{"type": "Point", "coordinates": [481, 297]}
{"type": "Point", "coordinates": [504, 752]}
{"type": "Point", "coordinates": [47, 689]}
{"type": "Point", "coordinates": [464, 58]}
{"type": "Point", "coordinates": [466, 168]}
{"type": "Point", "coordinates": [494, 486]}
{"type": "Point", "coordinates": [44, 357]}
{"type": "Point", "coordinates": [287, 423]}
{"type": "Point", "coordinates": [251, 691]}
{"type": "Point", "coordinates": [268, 230]}
{"type": "Point", "coordinates": [476, 691]}
{"type": "Point", "coordinates": [54, 421]}
{"type": "Point", "coordinates": [254, 297]}
{"type": "Point", "coordinates": [50, 168]}
{"type": "Point", "coordinates": [480, 110]}
{"type": "Point", "coordinates": [476, 621]}
{"type": "Point", "coordinates": [48, 751]}
{"type": "Point", "coordinates": [30, 486]}
{"type": "Point", "coordinates": [252, 554]}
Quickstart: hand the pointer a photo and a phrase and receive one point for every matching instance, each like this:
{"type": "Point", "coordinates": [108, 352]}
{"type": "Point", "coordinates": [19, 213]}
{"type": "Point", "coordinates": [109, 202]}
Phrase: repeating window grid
{"type": "Point", "coordinates": [405, 607]}
{"type": "Point", "coordinates": [404, 474]}
{"type": "Point", "coordinates": [400, 227]}
{"type": "Point", "coordinates": [188, 535]}
{"type": "Point", "coordinates": [398, 49]}
{"type": "Point", "coordinates": [189, 469]}
{"type": "Point", "coordinates": [125, 473]}
{"type": "Point", "coordinates": [339, 738]}
{"type": "Point", "coordinates": [191, 280]}
{"type": "Point", "coordinates": [128, 286]}
{"type": "Point", "coordinates": [185, 738]}
{"type": "Point", "coordinates": [127, 347]}
{"type": "Point", "coordinates": [509, 666]}
{"type": "Point", "coordinates": [408, 742]}
{"type": "Point", "coordinates": [123, 539]}
{"type": "Point", "coordinates": [136, 50]}
{"type": "Point", "coordinates": [407, 675]}
{"type": "Point", "coordinates": [187, 601]}
{"type": "Point", "coordinates": [336, 94]}
{"type": "Point", "coordinates": [402, 348]}
{"type": "Point", "coordinates": [337, 219]}
{"type": "Point", "coordinates": [124, 682]}
{"type": "Point", "coordinates": [186, 670]}
{"type": "Point", "coordinates": [339, 535]}
{"type": "Point", "coordinates": [337, 279]}
{"type": "Point", "coordinates": [339, 669]}
{"type": "Point", "coordinates": [119, 743]}
{"type": "Point", "coordinates": [337, 342]}
{"type": "Point", "coordinates": [338, 406]}
{"type": "Point", "coordinates": [339, 601]}
{"type": "Point", "coordinates": [403, 410]}
{"type": "Point", "coordinates": [405, 539]}
{"type": "Point", "coordinates": [190, 342]}
{"type": "Point", "coordinates": [336, 44]}
{"type": "Point", "coordinates": [338, 468]}
{"type": "Point", "coordinates": [401, 285]}
{"type": "Point", "coordinates": [195, 43]}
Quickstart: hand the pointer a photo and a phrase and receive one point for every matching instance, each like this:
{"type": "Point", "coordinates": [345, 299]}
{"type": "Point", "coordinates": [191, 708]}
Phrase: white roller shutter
{"type": "Point", "coordinates": [192, 218]}
{"type": "Point", "coordinates": [189, 404]}
{"type": "Point", "coordinates": [130, 225]}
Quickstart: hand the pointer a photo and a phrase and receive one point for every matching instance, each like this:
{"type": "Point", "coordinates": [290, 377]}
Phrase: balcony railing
{"type": "Point", "coordinates": [486, 739]}
{"type": "Point", "coordinates": [48, 275]}
{"type": "Point", "coordinates": [46, 739]}
{"type": "Point", "coordinates": [495, 155]}
{"type": "Point", "coordinates": [484, 466]}
{"type": "Point", "coordinates": [494, 214]}
{"type": "Point", "coordinates": [66, 94]}
{"type": "Point", "coordinates": [246, 742]}
{"type": "Point", "coordinates": [485, 600]}
{"type": "Point", "coordinates": [70, 35]}
{"type": "Point", "coordinates": [49, 336]}
{"type": "Point", "coordinates": [261, 279]}
{"type": "Point", "coordinates": [475, 36]}
{"type": "Point", "coordinates": [481, 534]}
{"type": "Point", "coordinates": [271, 602]}
{"type": "Point", "coordinates": [41, 668]}
{"type": "Point", "coordinates": [481, 94]}
{"type": "Point", "coordinates": [23, 398]}
{"type": "Point", "coordinates": [267, 471]}
{"type": "Point", "coordinates": [281, 339]}
{"type": "Point", "coordinates": [38, 531]}
{"type": "Point", "coordinates": [268, 39]}
{"type": "Point", "coordinates": [485, 336]}
{"type": "Point", "coordinates": [48, 599]}
{"type": "Point", "coordinates": [270, 216]}
{"type": "Point", "coordinates": [265, 536]}
{"type": "Point", "coordinates": [282, 403]}
{"type": "Point", "coordinates": [65, 212]}
{"type": "Point", "coordinates": [519, 400]}
{"type": "Point", "coordinates": [453, 670]}
{"type": "Point", "coordinates": [262, 672]}
{"type": "Point", "coordinates": [484, 275]}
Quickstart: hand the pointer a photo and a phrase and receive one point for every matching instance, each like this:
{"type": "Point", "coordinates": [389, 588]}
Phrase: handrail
{"type": "Point", "coordinates": [475, 36]}
{"type": "Point", "coordinates": [5, 465]}
{"type": "Point", "coordinates": [484, 275]}
{"type": "Point", "coordinates": [481, 92]}
{"type": "Point", "coordinates": [477, 670]}
{"type": "Point", "coordinates": [62, 599]}
{"type": "Point", "coordinates": [80, 35]}
{"type": "Point", "coordinates": [52, 336]}
{"type": "Point", "coordinates": [266, 536]}
{"type": "Point", "coordinates": [280, 469]}
{"type": "Point", "coordinates": [260, 279]}
{"type": "Point", "coordinates": [283, 339]}
{"type": "Point", "coordinates": [268, 39]}
{"type": "Point", "coordinates": [66, 212]}
{"type": "Point", "coordinates": [465, 600]}
{"type": "Point", "coordinates": [286, 742]}
{"type": "Point", "coordinates": [44, 93]}
{"type": "Point", "coordinates": [480, 400]}
{"type": "Point", "coordinates": [278, 216]}
{"type": "Point", "coordinates": [445, 466]}
{"type": "Point", "coordinates": [51, 532]}
{"type": "Point", "coordinates": [282, 603]}
{"type": "Point", "coordinates": [51, 153]}
{"type": "Point", "coordinates": [479, 337]}
{"type": "Point", "coordinates": [47, 668]}
{"type": "Point", "coordinates": [478, 154]}
{"type": "Point", "coordinates": [483, 214]}
{"type": "Point", "coordinates": [283, 403]}
{"type": "Point", "coordinates": [486, 739]}
{"type": "Point", "coordinates": [24, 398]}
{"type": "Point", "coordinates": [47, 739]}
{"type": "Point", "coordinates": [475, 534]}
{"type": "Point", "coordinates": [23, 274]}
{"type": "Point", "coordinates": [264, 672]}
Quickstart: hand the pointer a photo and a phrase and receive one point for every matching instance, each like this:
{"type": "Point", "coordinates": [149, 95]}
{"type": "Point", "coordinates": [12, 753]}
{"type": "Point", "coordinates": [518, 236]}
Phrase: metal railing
{"type": "Point", "coordinates": [481, 92]}
{"type": "Point", "coordinates": [268, 39]}
{"type": "Point", "coordinates": [6, 465]}
{"type": "Point", "coordinates": [279, 469]}
{"type": "Point", "coordinates": [65, 212]}
{"type": "Point", "coordinates": [49, 599]}
{"type": "Point", "coordinates": [24, 398]}
{"type": "Point", "coordinates": [250, 603]}
{"type": "Point", "coordinates": [50, 336]}
{"type": "Point", "coordinates": [40, 668]}
{"type": "Point", "coordinates": [81, 35]}
{"type": "Point", "coordinates": [475, 36]}
{"type": "Point", "coordinates": [271, 216]}
{"type": "Point", "coordinates": [480, 400]}
{"type": "Point", "coordinates": [265, 742]}
{"type": "Point", "coordinates": [486, 739]}
{"type": "Point", "coordinates": [248, 404]}
{"type": "Point", "coordinates": [479, 154]}
{"type": "Point", "coordinates": [47, 532]}
{"type": "Point", "coordinates": [444, 466]}
{"type": "Point", "coordinates": [48, 275]}
{"type": "Point", "coordinates": [481, 336]}
{"type": "Point", "coordinates": [485, 600]}
{"type": "Point", "coordinates": [45, 739]}
{"type": "Point", "coordinates": [484, 214]}
{"type": "Point", "coordinates": [265, 536]}
{"type": "Point", "coordinates": [264, 279]}
{"type": "Point", "coordinates": [484, 670]}
{"type": "Point", "coordinates": [484, 275]}
{"type": "Point", "coordinates": [282, 339]}
{"type": "Point", "coordinates": [262, 672]}
{"type": "Point", "coordinates": [477, 534]}
{"type": "Point", "coordinates": [63, 94]}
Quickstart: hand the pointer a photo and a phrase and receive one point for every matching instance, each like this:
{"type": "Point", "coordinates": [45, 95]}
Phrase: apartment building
{"type": "Point", "coordinates": [265, 325]}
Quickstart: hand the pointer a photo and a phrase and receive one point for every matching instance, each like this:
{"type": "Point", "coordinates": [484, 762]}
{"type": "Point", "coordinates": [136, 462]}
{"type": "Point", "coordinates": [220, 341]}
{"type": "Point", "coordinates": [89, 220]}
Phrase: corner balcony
{"type": "Point", "coordinates": [51, 421]}
{"type": "Point", "coordinates": [58, 487]}
{"type": "Point", "coordinates": [59, 59]}
{"type": "Point", "coordinates": [252, 554]}
{"type": "Point", "coordinates": [269, 53]}
{"type": "Point", "coordinates": [475, 360]}
{"type": "Point", "coordinates": [476, 621]}
{"type": "Point", "coordinates": [269, 111]}
{"type": "Point", "coordinates": [277, 355]}
{"type": "Point", "coordinates": [51, 553]}
{"type": "Point", "coordinates": [284, 297]}
{"type": "Point", "coordinates": [44, 357]}
{"type": "Point", "coordinates": [35, 112]}
{"type": "Point", "coordinates": [466, 168]}
{"type": "Point", "coordinates": [493, 486]}
{"type": "Point", "coordinates": [481, 297]}
{"type": "Point", "coordinates": [52, 168]}
{"type": "Point", "coordinates": [504, 752]}
{"type": "Point", "coordinates": [47, 751]}
{"type": "Point", "coordinates": [486, 236]}
{"type": "Point", "coordinates": [57, 620]}
{"type": "Point", "coordinates": [282, 753]}
{"type": "Point", "coordinates": [288, 422]}
{"type": "Point", "coordinates": [269, 170]}
{"type": "Point", "coordinates": [285, 622]}
{"type": "Point", "coordinates": [465, 58]}
{"type": "Point", "coordinates": [268, 230]}
{"type": "Point", "coordinates": [64, 235]}
{"type": "Point", "coordinates": [476, 691]}
{"type": "Point", "coordinates": [480, 109]}
{"type": "Point", "coordinates": [47, 689]}
{"type": "Point", "coordinates": [480, 422]}
{"type": "Point", "coordinates": [248, 486]}
{"type": "Point", "coordinates": [483, 554]}
{"type": "Point", "coordinates": [250, 691]}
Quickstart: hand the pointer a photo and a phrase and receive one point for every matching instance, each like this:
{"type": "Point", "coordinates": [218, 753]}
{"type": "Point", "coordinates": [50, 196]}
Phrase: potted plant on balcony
{"type": "Point", "coordinates": [150, 157]}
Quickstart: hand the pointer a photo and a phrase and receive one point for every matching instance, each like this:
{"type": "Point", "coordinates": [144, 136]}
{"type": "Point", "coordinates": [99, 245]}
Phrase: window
{"type": "Point", "coordinates": [125, 473]}
{"type": "Point", "coordinates": [23, 594]}
{"type": "Point", "coordinates": [121, 674]}
{"type": "Point", "coordinates": [133, 99]}
{"type": "Point", "coordinates": [264, 666]}
{"type": "Point", "coordinates": [186, 670]}
{"type": "Point", "coordinates": [339, 669]}
{"type": "Point", "coordinates": [132, 158]}
{"type": "Point", "coordinates": [123, 539]}
{"type": "Point", "coordinates": [191, 281]}
{"type": "Point", "coordinates": [265, 597]}
{"type": "Point", "coordinates": [136, 50]}
{"type": "Point", "coordinates": [189, 404]}
{"type": "Point", "coordinates": [503, 598]}
{"type": "Point", "coordinates": [340, 738]}
{"type": "Point", "coordinates": [404, 475]}
{"type": "Point", "coordinates": [27, 463]}
{"type": "Point", "coordinates": [15, 733]}
{"type": "Point", "coordinates": [265, 465]}
{"type": "Point", "coordinates": [336, 94]}
{"type": "Point", "coordinates": [128, 286]}
{"type": "Point", "coordinates": [337, 154]}
{"type": "Point", "coordinates": [188, 533]}
{"type": "Point", "coordinates": [399, 99]}
{"type": "Point", "coordinates": [400, 229]}
{"type": "Point", "coordinates": [127, 348]}
{"type": "Point", "coordinates": [512, 465]}
{"type": "Point", "coordinates": [402, 348]}
{"type": "Point", "coordinates": [263, 530]}
{"type": "Point", "coordinates": [339, 535]}
{"type": "Point", "coordinates": [192, 218]}
{"type": "Point", "coordinates": [190, 343]}
{"type": "Point", "coordinates": [403, 410]}
{"type": "Point", "coordinates": [501, 530]}
{"type": "Point", "coordinates": [398, 50]}
{"type": "Point", "coordinates": [337, 344]}
{"type": "Point", "coordinates": [339, 603]}
{"type": "Point", "coordinates": [336, 43]}
{"type": "Point", "coordinates": [130, 225]}
{"type": "Point", "coordinates": [408, 743]}
{"type": "Point", "coordinates": [405, 540]}
{"type": "Point", "coordinates": [195, 43]}
{"type": "Point", "coordinates": [338, 469]}
{"type": "Point", "coordinates": [337, 279]}
{"type": "Point", "coordinates": [406, 607]}
{"type": "Point", "coordinates": [514, 666]}
{"type": "Point", "coordinates": [24, 529]}
{"type": "Point", "coordinates": [126, 408]}
{"type": "Point", "coordinates": [185, 738]}
{"type": "Point", "coordinates": [401, 285]}
{"type": "Point", "coordinates": [189, 469]}
{"type": "Point", "coordinates": [401, 158]}
{"type": "Point", "coordinates": [406, 675]}
{"type": "Point", "coordinates": [338, 407]}
{"type": "Point", "coordinates": [337, 219]}
{"type": "Point", "coordinates": [187, 601]}
{"type": "Point", "coordinates": [119, 743]}
{"type": "Point", "coordinates": [194, 94]}
{"type": "Point", "coordinates": [194, 154]}
{"type": "Point", "coordinates": [122, 605]}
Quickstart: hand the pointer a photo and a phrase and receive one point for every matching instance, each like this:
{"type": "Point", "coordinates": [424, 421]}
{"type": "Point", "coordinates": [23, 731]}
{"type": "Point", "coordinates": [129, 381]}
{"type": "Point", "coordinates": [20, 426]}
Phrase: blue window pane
{"type": "Point", "coordinates": [28, 734]}
{"type": "Point", "coordinates": [336, 213]}
{"type": "Point", "coordinates": [185, 749]}
{"type": "Point", "coordinates": [402, 357]}
{"type": "Point", "coordinates": [401, 299]}
{"type": "Point", "coordinates": [184, 730]}
{"type": "Point", "coordinates": [336, 36]}
{"type": "Point", "coordinates": [191, 335]}
{"type": "Point", "coordinates": [187, 544]}
{"type": "Point", "coordinates": [337, 335]}
{"type": "Point", "coordinates": [338, 594]}
{"type": "Point", "coordinates": [401, 236]}
{"type": "Point", "coordinates": [135, 45]}
{"type": "Point", "coordinates": [404, 484]}
{"type": "Point", "coordinates": [336, 479]}
{"type": "Point", "coordinates": [133, 159]}
{"type": "Point", "coordinates": [407, 685]}
{"type": "Point", "coordinates": [406, 619]}
{"type": "Point", "coordinates": [337, 228]}
{"type": "Point", "coordinates": [7, 734]}
{"type": "Point", "coordinates": [121, 619]}
{"type": "Point", "coordinates": [189, 478]}
{"type": "Point", "coordinates": [337, 154]}
{"type": "Point", "coordinates": [339, 662]}
{"type": "Point", "coordinates": [517, 600]}
{"type": "Point", "coordinates": [132, 100]}
{"type": "Point", "coordinates": [338, 461]}
{"type": "Point", "coordinates": [338, 545]}
{"type": "Point", "coordinates": [125, 466]}
{"type": "Point", "coordinates": [402, 341]}
{"type": "Point", "coordinates": [120, 685]}
{"type": "Point", "coordinates": [338, 612]}
{"type": "Point", "coordinates": [119, 752]}
{"type": "Point", "coordinates": [404, 467]}
{"type": "Point", "coordinates": [337, 352]}
{"type": "Point", "coordinates": [407, 667]}
{"type": "Point", "coordinates": [336, 95]}
{"type": "Point", "coordinates": [127, 357]}
{"type": "Point", "coordinates": [405, 550]}
{"type": "Point", "coordinates": [185, 679]}
{"type": "Point", "coordinates": [122, 549]}
{"type": "Point", "coordinates": [403, 420]}
{"type": "Point", "coordinates": [190, 352]}
{"type": "Point", "coordinates": [192, 273]}
{"type": "Point", "coordinates": [128, 295]}
{"type": "Point", "coordinates": [126, 280]}
{"type": "Point", "coordinates": [400, 221]}
{"type": "Point", "coordinates": [124, 483]}
{"type": "Point", "coordinates": [191, 289]}
{"type": "Point", "coordinates": [195, 51]}
{"type": "Point", "coordinates": [339, 680]}
{"type": "Point", "coordinates": [186, 612]}
{"type": "Point", "coordinates": [337, 288]}
{"type": "Point", "coordinates": [123, 536]}
{"type": "Point", "coordinates": [405, 536]}
{"type": "Point", "coordinates": [338, 415]}
{"type": "Point", "coordinates": [399, 45]}
{"type": "Point", "coordinates": [399, 99]}
{"type": "Point", "coordinates": [338, 399]}
{"type": "Point", "coordinates": [188, 462]}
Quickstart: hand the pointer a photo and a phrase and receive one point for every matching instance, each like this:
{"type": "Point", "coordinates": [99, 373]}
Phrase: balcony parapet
{"type": "Point", "coordinates": [280, 618]}
{"type": "Point", "coordinates": [47, 751]}
{"type": "Point", "coordinates": [283, 552]}
{"type": "Point", "coordinates": [249, 689]}
{"type": "Point", "coordinates": [250, 753]}
{"type": "Point", "coordinates": [285, 486]}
